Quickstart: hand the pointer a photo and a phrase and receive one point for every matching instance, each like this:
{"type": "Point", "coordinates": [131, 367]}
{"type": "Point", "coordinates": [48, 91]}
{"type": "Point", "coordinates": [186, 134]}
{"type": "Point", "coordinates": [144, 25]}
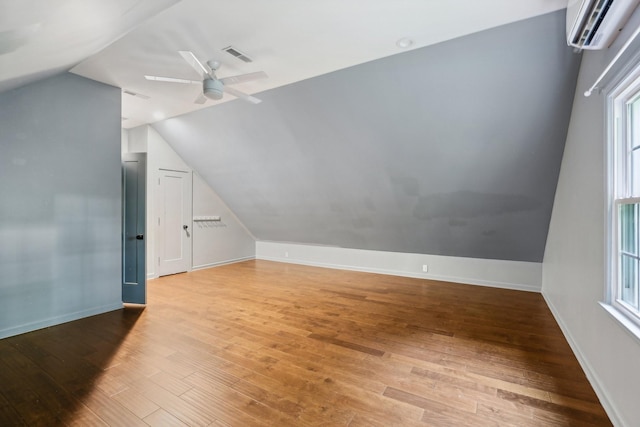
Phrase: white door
{"type": "Point", "coordinates": [174, 222]}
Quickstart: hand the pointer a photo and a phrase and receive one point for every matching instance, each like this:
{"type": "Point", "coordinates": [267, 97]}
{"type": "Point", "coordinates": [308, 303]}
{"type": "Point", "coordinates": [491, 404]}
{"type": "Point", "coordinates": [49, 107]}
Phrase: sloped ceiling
{"type": "Point", "coordinates": [291, 40]}
{"type": "Point", "coordinates": [40, 38]}
{"type": "Point", "coordinates": [118, 42]}
{"type": "Point", "coordinates": [451, 149]}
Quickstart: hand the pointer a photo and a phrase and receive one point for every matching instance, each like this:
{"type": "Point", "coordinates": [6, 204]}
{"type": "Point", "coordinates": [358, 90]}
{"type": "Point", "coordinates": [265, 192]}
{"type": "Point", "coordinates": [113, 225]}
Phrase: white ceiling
{"type": "Point", "coordinates": [119, 41]}
{"type": "Point", "coordinates": [39, 38]}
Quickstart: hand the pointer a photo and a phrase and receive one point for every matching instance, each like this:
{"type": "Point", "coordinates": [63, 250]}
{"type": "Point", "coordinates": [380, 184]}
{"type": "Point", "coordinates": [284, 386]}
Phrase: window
{"type": "Point", "coordinates": [624, 209]}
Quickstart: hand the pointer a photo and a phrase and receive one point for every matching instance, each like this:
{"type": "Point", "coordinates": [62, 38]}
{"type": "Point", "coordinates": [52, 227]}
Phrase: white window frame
{"type": "Point", "coordinates": [619, 193]}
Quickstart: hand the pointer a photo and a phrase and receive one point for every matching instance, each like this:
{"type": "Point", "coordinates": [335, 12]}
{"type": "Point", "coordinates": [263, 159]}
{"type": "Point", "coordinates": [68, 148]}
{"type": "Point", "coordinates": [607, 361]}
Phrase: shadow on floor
{"type": "Point", "coordinates": [47, 375]}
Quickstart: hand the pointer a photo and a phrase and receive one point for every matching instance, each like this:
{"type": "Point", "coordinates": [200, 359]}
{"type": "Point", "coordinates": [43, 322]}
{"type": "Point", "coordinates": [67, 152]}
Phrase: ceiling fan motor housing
{"type": "Point", "coordinates": [213, 89]}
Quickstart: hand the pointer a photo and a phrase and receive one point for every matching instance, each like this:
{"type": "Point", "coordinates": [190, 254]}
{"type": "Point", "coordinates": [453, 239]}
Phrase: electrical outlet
{"type": "Point", "coordinates": [425, 268]}
{"type": "Point", "coordinates": [286, 254]}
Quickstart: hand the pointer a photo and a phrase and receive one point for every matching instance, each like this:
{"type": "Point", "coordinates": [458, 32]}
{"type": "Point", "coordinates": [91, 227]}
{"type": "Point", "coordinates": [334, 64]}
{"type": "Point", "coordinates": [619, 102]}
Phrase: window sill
{"type": "Point", "coordinates": [631, 327]}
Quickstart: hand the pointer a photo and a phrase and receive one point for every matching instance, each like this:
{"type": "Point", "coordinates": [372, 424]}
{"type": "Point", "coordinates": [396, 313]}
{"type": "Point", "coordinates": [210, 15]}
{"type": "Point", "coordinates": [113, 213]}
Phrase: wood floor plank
{"type": "Point", "coordinates": [347, 344]}
{"type": "Point", "coordinates": [456, 381]}
{"type": "Point", "coordinates": [82, 416]}
{"type": "Point", "coordinates": [500, 416]}
{"type": "Point", "coordinates": [272, 400]}
{"type": "Point", "coordinates": [244, 406]}
{"type": "Point", "coordinates": [177, 407]}
{"type": "Point", "coordinates": [592, 415]}
{"type": "Point", "coordinates": [136, 403]}
{"type": "Point", "coordinates": [37, 397]}
{"type": "Point", "coordinates": [110, 410]}
{"type": "Point", "coordinates": [161, 418]}
{"type": "Point", "coordinates": [170, 383]}
{"type": "Point", "coordinates": [360, 420]}
{"type": "Point", "coordinates": [8, 414]}
{"type": "Point", "coordinates": [261, 343]}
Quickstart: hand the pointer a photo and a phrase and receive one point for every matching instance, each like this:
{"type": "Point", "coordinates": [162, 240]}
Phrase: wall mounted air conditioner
{"type": "Point", "coordinates": [594, 24]}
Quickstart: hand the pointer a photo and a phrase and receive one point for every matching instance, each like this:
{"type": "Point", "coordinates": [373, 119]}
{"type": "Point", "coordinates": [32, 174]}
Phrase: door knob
{"type": "Point", "coordinates": [184, 227]}
{"type": "Point", "coordinates": [139, 236]}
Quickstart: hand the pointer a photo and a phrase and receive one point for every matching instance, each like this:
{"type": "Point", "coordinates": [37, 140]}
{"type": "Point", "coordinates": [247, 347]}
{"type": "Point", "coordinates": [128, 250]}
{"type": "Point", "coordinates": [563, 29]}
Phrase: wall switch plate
{"type": "Point", "coordinates": [425, 268]}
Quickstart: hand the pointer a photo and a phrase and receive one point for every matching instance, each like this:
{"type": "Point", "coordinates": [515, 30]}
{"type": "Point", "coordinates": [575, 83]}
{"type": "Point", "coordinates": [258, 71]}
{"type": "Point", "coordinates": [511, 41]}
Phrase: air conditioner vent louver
{"type": "Point", "coordinates": [235, 52]}
{"type": "Point", "coordinates": [139, 95]}
{"type": "Point", "coordinates": [594, 24]}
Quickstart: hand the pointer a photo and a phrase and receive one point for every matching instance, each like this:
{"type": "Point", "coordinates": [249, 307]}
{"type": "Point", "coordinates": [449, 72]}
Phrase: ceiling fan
{"type": "Point", "coordinates": [212, 86]}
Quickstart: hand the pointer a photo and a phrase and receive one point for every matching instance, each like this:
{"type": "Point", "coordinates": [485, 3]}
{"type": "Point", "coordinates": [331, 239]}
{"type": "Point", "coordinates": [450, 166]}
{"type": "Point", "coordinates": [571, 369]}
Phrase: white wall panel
{"type": "Point", "coordinates": [574, 278]}
{"type": "Point", "coordinates": [518, 275]}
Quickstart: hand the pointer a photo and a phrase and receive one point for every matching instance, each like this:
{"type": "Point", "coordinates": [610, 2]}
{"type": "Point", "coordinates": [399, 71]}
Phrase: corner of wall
{"type": "Point", "coordinates": [138, 139]}
{"type": "Point", "coordinates": [212, 242]}
{"type": "Point", "coordinates": [124, 141]}
{"type": "Point", "coordinates": [574, 264]}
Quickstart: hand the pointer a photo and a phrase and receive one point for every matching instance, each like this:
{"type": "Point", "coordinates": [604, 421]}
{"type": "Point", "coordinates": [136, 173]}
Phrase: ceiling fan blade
{"type": "Point", "coordinates": [231, 80]}
{"type": "Point", "coordinates": [191, 59]}
{"type": "Point", "coordinates": [242, 95]}
{"type": "Point", "coordinates": [201, 99]}
{"type": "Point", "coordinates": [171, 80]}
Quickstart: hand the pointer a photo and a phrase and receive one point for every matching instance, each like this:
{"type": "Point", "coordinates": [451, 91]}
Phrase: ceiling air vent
{"type": "Point", "coordinates": [235, 52]}
{"type": "Point", "coordinates": [139, 95]}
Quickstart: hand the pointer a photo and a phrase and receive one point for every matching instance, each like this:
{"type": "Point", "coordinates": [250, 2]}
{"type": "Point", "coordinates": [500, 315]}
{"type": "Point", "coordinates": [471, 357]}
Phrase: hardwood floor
{"type": "Point", "coordinates": [262, 343]}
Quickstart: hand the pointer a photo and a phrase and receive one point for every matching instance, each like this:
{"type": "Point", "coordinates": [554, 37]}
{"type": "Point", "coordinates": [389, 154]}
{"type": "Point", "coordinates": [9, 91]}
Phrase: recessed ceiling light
{"type": "Point", "coordinates": [404, 43]}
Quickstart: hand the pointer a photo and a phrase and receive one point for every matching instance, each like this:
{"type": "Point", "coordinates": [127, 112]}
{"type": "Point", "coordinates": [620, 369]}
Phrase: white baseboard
{"type": "Point", "coordinates": [518, 275]}
{"type": "Point", "coordinates": [210, 265]}
{"type": "Point", "coordinates": [218, 264]}
{"type": "Point", "coordinates": [593, 378]}
{"type": "Point", "coordinates": [57, 320]}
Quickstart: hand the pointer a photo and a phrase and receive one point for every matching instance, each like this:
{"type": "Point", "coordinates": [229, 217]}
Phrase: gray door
{"type": "Point", "coordinates": [134, 276]}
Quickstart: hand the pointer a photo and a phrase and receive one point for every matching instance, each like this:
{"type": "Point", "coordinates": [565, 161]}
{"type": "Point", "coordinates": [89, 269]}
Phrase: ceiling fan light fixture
{"type": "Point", "coordinates": [213, 89]}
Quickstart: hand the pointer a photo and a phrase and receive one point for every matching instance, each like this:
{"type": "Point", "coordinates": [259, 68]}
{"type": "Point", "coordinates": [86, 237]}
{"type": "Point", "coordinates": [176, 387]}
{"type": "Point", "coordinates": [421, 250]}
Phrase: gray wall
{"type": "Point", "coordinates": [452, 149]}
{"type": "Point", "coordinates": [574, 267]}
{"type": "Point", "coordinates": [60, 203]}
